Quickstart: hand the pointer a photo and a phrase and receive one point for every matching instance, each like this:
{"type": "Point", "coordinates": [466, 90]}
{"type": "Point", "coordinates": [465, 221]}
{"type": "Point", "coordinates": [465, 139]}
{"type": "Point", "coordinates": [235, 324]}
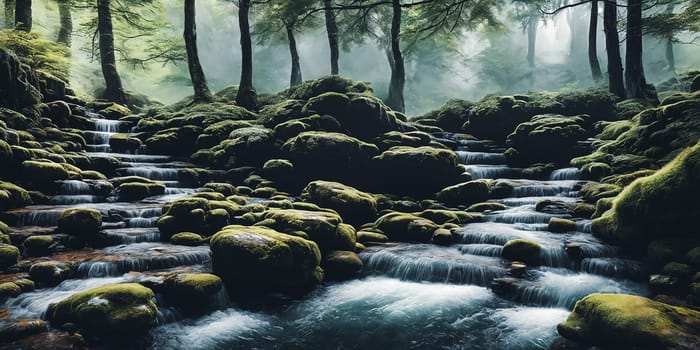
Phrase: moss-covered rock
{"type": "Point", "coordinates": [443, 216]}
{"type": "Point", "coordinates": [254, 258]}
{"type": "Point", "coordinates": [486, 206]}
{"type": "Point", "coordinates": [13, 196]}
{"type": "Point", "coordinates": [522, 250]}
{"type": "Point", "coordinates": [110, 311]}
{"type": "Point", "coordinates": [341, 265]}
{"type": "Point", "coordinates": [122, 143]}
{"type": "Point", "coordinates": [133, 191]}
{"type": "Point", "coordinates": [82, 222]}
{"type": "Point", "coordinates": [547, 138]}
{"type": "Point", "coordinates": [192, 292]}
{"type": "Point", "coordinates": [559, 225]}
{"type": "Point", "coordinates": [628, 321]}
{"type": "Point", "coordinates": [39, 173]}
{"type": "Point", "coordinates": [657, 206]}
{"type": "Point", "coordinates": [356, 207]}
{"type": "Point", "coordinates": [365, 237]}
{"type": "Point", "coordinates": [324, 228]}
{"type": "Point", "coordinates": [466, 193]}
{"type": "Point", "coordinates": [178, 141]}
{"type": "Point", "coordinates": [51, 273]}
{"type": "Point", "coordinates": [8, 290]}
{"type": "Point", "coordinates": [38, 245]}
{"type": "Point", "coordinates": [406, 227]}
{"type": "Point", "coordinates": [187, 238]}
{"type": "Point", "coordinates": [8, 255]}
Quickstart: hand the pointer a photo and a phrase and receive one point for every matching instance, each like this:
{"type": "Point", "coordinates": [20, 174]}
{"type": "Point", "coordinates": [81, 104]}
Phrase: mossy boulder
{"type": "Point", "coordinates": [40, 173]}
{"type": "Point", "coordinates": [51, 273]}
{"type": "Point", "coordinates": [355, 206]}
{"type": "Point", "coordinates": [249, 146]}
{"type": "Point", "coordinates": [559, 225]}
{"type": "Point", "coordinates": [324, 228]}
{"type": "Point", "coordinates": [465, 193]}
{"type": "Point", "coordinates": [547, 138]}
{"type": "Point", "coordinates": [365, 237]}
{"type": "Point", "coordinates": [110, 311]}
{"type": "Point", "coordinates": [191, 214]}
{"type": "Point", "coordinates": [655, 207]}
{"type": "Point", "coordinates": [83, 222]}
{"type": "Point", "coordinates": [8, 255]}
{"type": "Point", "coordinates": [416, 170]}
{"type": "Point", "coordinates": [133, 191]}
{"type": "Point", "coordinates": [187, 239]}
{"type": "Point", "coordinates": [13, 196]}
{"type": "Point", "coordinates": [178, 141]}
{"type": "Point", "coordinates": [192, 292]}
{"type": "Point", "coordinates": [279, 170]}
{"type": "Point", "coordinates": [495, 117]}
{"type": "Point", "coordinates": [406, 227]}
{"type": "Point", "coordinates": [522, 250]}
{"type": "Point", "coordinates": [486, 206]}
{"type": "Point", "coordinates": [628, 321]}
{"type": "Point", "coordinates": [341, 265]}
{"type": "Point", "coordinates": [38, 245]}
{"type": "Point", "coordinates": [122, 143]}
{"type": "Point", "coordinates": [443, 216]}
{"type": "Point", "coordinates": [254, 258]}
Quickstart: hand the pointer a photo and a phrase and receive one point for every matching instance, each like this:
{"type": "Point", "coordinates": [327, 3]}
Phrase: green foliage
{"type": "Point", "coordinates": [39, 53]}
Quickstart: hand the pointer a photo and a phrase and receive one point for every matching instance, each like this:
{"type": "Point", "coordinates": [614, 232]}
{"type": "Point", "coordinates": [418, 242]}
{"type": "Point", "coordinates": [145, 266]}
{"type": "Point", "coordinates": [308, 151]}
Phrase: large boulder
{"type": "Point", "coordinates": [655, 207]}
{"type": "Point", "coordinates": [466, 193]}
{"type": "Point", "coordinates": [254, 258]}
{"type": "Point", "coordinates": [177, 141]}
{"type": "Point", "coordinates": [41, 173]}
{"type": "Point", "coordinates": [83, 222]}
{"type": "Point", "coordinates": [192, 291]}
{"type": "Point", "coordinates": [546, 138]}
{"type": "Point", "coordinates": [415, 170]}
{"type": "Point", "coordinates": [19, 86]}
{"type": "Point", "coordinates": [628, 321]}
{"type": "Point", "coordinates": [406, 227]}
{"type": "Point", "coordinates": [8, 255]}
{"type": "Point", "coordinates": [249, 146]}
{"type": "Point", "coordinates": [112, 310]}
{"type": "Point", "coordinates": [324, 228]}
{"type": "Point", "coordinates": [355, 206]}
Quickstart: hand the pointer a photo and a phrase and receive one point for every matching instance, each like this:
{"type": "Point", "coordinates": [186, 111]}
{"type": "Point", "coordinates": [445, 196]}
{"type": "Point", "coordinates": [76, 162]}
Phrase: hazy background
{"type": "Point", "coordinates": [483, 63]}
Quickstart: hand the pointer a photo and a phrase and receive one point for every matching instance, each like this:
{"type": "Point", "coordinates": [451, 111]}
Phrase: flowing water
{"type": "Point", "coordinates": [416, 296]}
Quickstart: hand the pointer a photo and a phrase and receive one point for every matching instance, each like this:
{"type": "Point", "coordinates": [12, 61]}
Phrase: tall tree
{"type": "Point", "coordinates": [636, 83]}
{"type": "Point", "coordinates": [66, 32]}
{"type": "Point", "coordinates": [247, 96]}
{"type": "Point", "coordinates": [23, 15]}
{"type": "Point", "coordinates": [10, 13]}
{"type": "Point", "coordinates": [114, 90]}
{"type": "Point", "coordinates": [593, 43]}
{"type": "Point", "coordinates": [531, 40]}
{"type": "Point", "coordinates": [397, 83]}
{"type": "Point", "coordinates": [332, 31]}
{"type": "Point", "coordinates": [616, 83]}
{"type": "Point", "coordinates": [199, 82]}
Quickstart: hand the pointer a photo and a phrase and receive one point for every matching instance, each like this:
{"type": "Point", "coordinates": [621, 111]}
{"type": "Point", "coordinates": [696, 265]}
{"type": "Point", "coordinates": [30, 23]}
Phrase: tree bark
{"type": "Point", "coordinates": [332, 31]}
{"type": "Point", "coordinates": [634, 67]}
{"type": "Point", "coordinates": [23, 15]}
{"type": "Point", "coordinates": [616, 84]}
{"type": "Point", "coordinates": [66, 31]}
{"type": "Point", "coordinates": [593, 43]}
{"type": "Point", "coordinates": [247, 96]}
{"type": "Point", "coordinates": [531, 40]}
{"type": "Point", "coordinates": [114, 90]}
{"type": "Point", "coordinates": [398, 75]}
{"type": "Point", "coordinates": [10, 14]}
{"type": "Point", "coordinates": [296, 78]}
{"type": "Point", "coordinates": [199, 81]}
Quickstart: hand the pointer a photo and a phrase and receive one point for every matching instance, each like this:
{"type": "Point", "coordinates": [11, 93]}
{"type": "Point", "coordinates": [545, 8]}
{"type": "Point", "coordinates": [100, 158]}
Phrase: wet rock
{"type": "Point", "coordinates": [187, 238]}
{"type": "Point", "coordinates": [13, 329]}
{"type": "Point", "coordinates": [546, 138]}
{"type": "Point", "coordinates": [82, 222]}
{"type": "Point", "coordinates": [134, 191]}
{"type": "Point", "coordinates": [443, 216]}
{"type": "Point", "coordinates": [466, 193]}
{"type": "Point", "coordinates": [558, 225]}
{"type": "Point", "coordinates": [111, 311]}
{"type": "Point", "coordinates": [17, 88]}
{"type": "Point", "coordinates": [442, 236]}
{"type": "Point", "coordinates": [114, 111]}
{"type": "Point", "coordinates": [122, 143]}
{"type": "Point", "coordinates": [9, 290]}
{"type": "Point", "coordinates": [38, 245]}
{"type": "Point", "coordinates": [341, 265]}
{"type": "Point", "coordinates": [40, 173]}
{"type": "Point", "coordinates": [355, 206]}
{"type": "Point", "coordinates": [416, 170]}
{"type": "Point", "coordinates": [486, 207]}
{"type": "Point", "coordinates": [618, 320]}
{"type": "Point", "coordinates": [522, 250]}
{"type": "Point", "coordinates": [192, 292]}
{"type": "Point", "coordinates": [51, 273]}
{"type": "Point", "coordinates": [366, 237]}
{"type": "Point", "coordinates": [13, 196]}
{"type": "Point", "coordinates": [258, 258]}
{"type": "Point", "coordinates": [324, 228]}
{"type": "Point", "coordinates": [406, 227]}
{"type": "Point", "coordinates": [8, 255]}
{"type": "Point", "coordinates": [224, 188]}
{"type": "Point", "coordinates": [178, 141]}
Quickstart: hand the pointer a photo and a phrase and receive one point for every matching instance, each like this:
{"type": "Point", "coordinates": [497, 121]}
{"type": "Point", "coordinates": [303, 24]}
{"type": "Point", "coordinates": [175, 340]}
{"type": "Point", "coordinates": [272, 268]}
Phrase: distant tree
{"type": "Point", "coordinates": [23, 15]}
{"type": "Point", "coordinates": [332, 32]}
{"type": "Point", "coordinates": [593, 43]}
{"type": "Point", "coordinates": [529, 14]}
{"type": "Point", "coordinates": [199, 81]}
{"type": "Point", "coordinates": [667, 24]}
{"type": "Point", "coordinates": [66, 32]}
{"type": "Point", "coordinates": [635, 82]}
{"type": "Point", "coordinates": [246, 96]}
{"type": "Point", "coordinates": [114, 90]}
{"type": "Point", "coordinates": [10, 13]}
{"type": "Point", "coordinates": [616, 83]}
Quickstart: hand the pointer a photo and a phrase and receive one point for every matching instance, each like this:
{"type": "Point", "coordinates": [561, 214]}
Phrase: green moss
{"type": "Point", "coordinates": [224, 188]}
{"type": "Point", "coordinates": [112, 310]}
{"type": "Point", "coordinates": [51, 272]}
{"type": "Point", "coordinates": [123, 143]}
{"type": "Point", "coordinates": [613, 130]}
{"type": "Point", "coordinates": [40, 173]}
{"type": "Point", "coordinates": [38, 245]}
{"type": "Point", "coordinates": [406, 227]}
{"type": "Point", "coordinates": [656, 206]}
{"type": "Point", "coordinates": [12, 196]}
{"type": "Point", "coordinates": [522, 250]}
{"type": "Point", "coordinates": [312, 88]}
{"type": "Point", "coordinates": [192, 291]}
{"type": "Point", "coordinates": [324, 228]}
{"type": "Point", "coordinates": [465, 193]}
{"type": "Point", "coordinates": [8, 255]}
{"type": "Point", "coordinates": [546, 139]}
{"type": "Point", "coordinates": [365, 237]}
{"type": "Point", "coordinates": [441, 216]}
{"type": "Point", "coordinates": [39, 53]}
{"type": "Point", "coordinates": [559, 225]}
{"type": "Point", "coordinates": [342, 265]}
{"type": "Point", "coordinates": [187, 239]}
{"type": "Point", "coordinates": [486, 206]}
{"type": "Point", "coordinates": [618, 320]}
{"type": "Point", "coordinates": [676, 269]}
{"type": "Point", "coordinates": [278, 169]}
{"type": "Point", "coordinates": [9, 290]}
{"type": "Point", "coordinates": [133, 191]}
{"type": "Point", "coordinates": [353, 205]}
{"type": "Point", "coordinates": [80, 221]}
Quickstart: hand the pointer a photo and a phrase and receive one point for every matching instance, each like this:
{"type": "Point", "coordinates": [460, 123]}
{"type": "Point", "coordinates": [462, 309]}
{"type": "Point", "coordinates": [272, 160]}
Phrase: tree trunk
{"type": "Point", "coordinates": [398, 75]}
{"type": "Point", "coordinates": [246, 97]}
{"type": "Point", "coordinates": [295, 79]}
{"type": "Point", "coordinates": [332, 30]}
{"type": "Point", "coordinates": [571, 22]}
{"type": "Point", "coordinates": [23, 15]}
{"type": "Point", "coordinates": [634, 67]}
{"type": "Point", "coordinates": [531, 40]}
{"type": "Point", "coordinates": [113, 82]}
{"type": "Point", "coordinates": [199, 81]}
{"type": "Point", "coordinates": [593, 43]}
{"type": "Point", "coordinates": [66, 31]}
{"type": "Point", "coordinates": [670, 56]}
{"type": "Point", "coordinates": [616, 84]}
{"type": "Point", "coordinates": [10, 14]}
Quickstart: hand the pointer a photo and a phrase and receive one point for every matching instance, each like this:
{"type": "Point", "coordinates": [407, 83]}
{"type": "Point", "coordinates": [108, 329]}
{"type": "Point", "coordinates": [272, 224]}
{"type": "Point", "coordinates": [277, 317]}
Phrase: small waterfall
{"type": "Point", "coordinates": [566, 174]}
{"type": "Point", "coordinates": [525, 214]}
{"type": "Point", "coordinates": [543, 188]}
{"type": "Point", "coordinates": [614, 267]}
{"type": "Point", "coordinates": [109, 126]}
{"type": "Point", "coordinates": [152, 173]}
{"type": "Point", "coordinates": [141, 222]}
{"type": "Point", "coordinates": [466, 157]}
{"type": "Point", "coordinates": [75, 199]}
{"type": "Point", "coordinates": [132, 235]}
{"type": "Point", "coordinates": [493, 172]}
{"type": "Point", "coordinates": [481, 249]}
{"type": "Point", "coordinates": [74, 187]}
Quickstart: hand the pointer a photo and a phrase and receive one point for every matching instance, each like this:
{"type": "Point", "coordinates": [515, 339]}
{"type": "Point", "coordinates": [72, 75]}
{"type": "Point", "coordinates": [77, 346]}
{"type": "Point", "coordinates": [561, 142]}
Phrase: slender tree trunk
{"type": "Point", "coordinates": [670, 56]}
{"type": "Point", "coordinates": [398, 75]}
{"type": "Point", "coordinates": [246, 97]}
{"type": "Point", "coordinates": [634, 67]}
{"type": "Point", "coordinates": [332, 31]}
{"type": "Point", "coordinates": [23, 15]}
{"type": "Point", "coordinates": [593, 43]}
{"type": "Point", "coordinates": [531, 40]}
{"type": "Point", "coordinates": [114, 90]}
{"type": "Point", "coordinates": [296, 78]}
{"type": "Point", "coordinates": [10, 14]}
{"type": "Point", "coordinates": [199, 81]}
{"type": "Point", "coordinates": [616, 84]}
{"type": "Point", "coordinates": [66, 31]}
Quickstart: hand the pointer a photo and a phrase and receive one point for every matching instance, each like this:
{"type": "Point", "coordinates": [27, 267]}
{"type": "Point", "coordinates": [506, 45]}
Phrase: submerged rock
{"type": "Point", "coordinates": [628, 321]}
{"type": "Point", "coordinates": [112, 310]}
